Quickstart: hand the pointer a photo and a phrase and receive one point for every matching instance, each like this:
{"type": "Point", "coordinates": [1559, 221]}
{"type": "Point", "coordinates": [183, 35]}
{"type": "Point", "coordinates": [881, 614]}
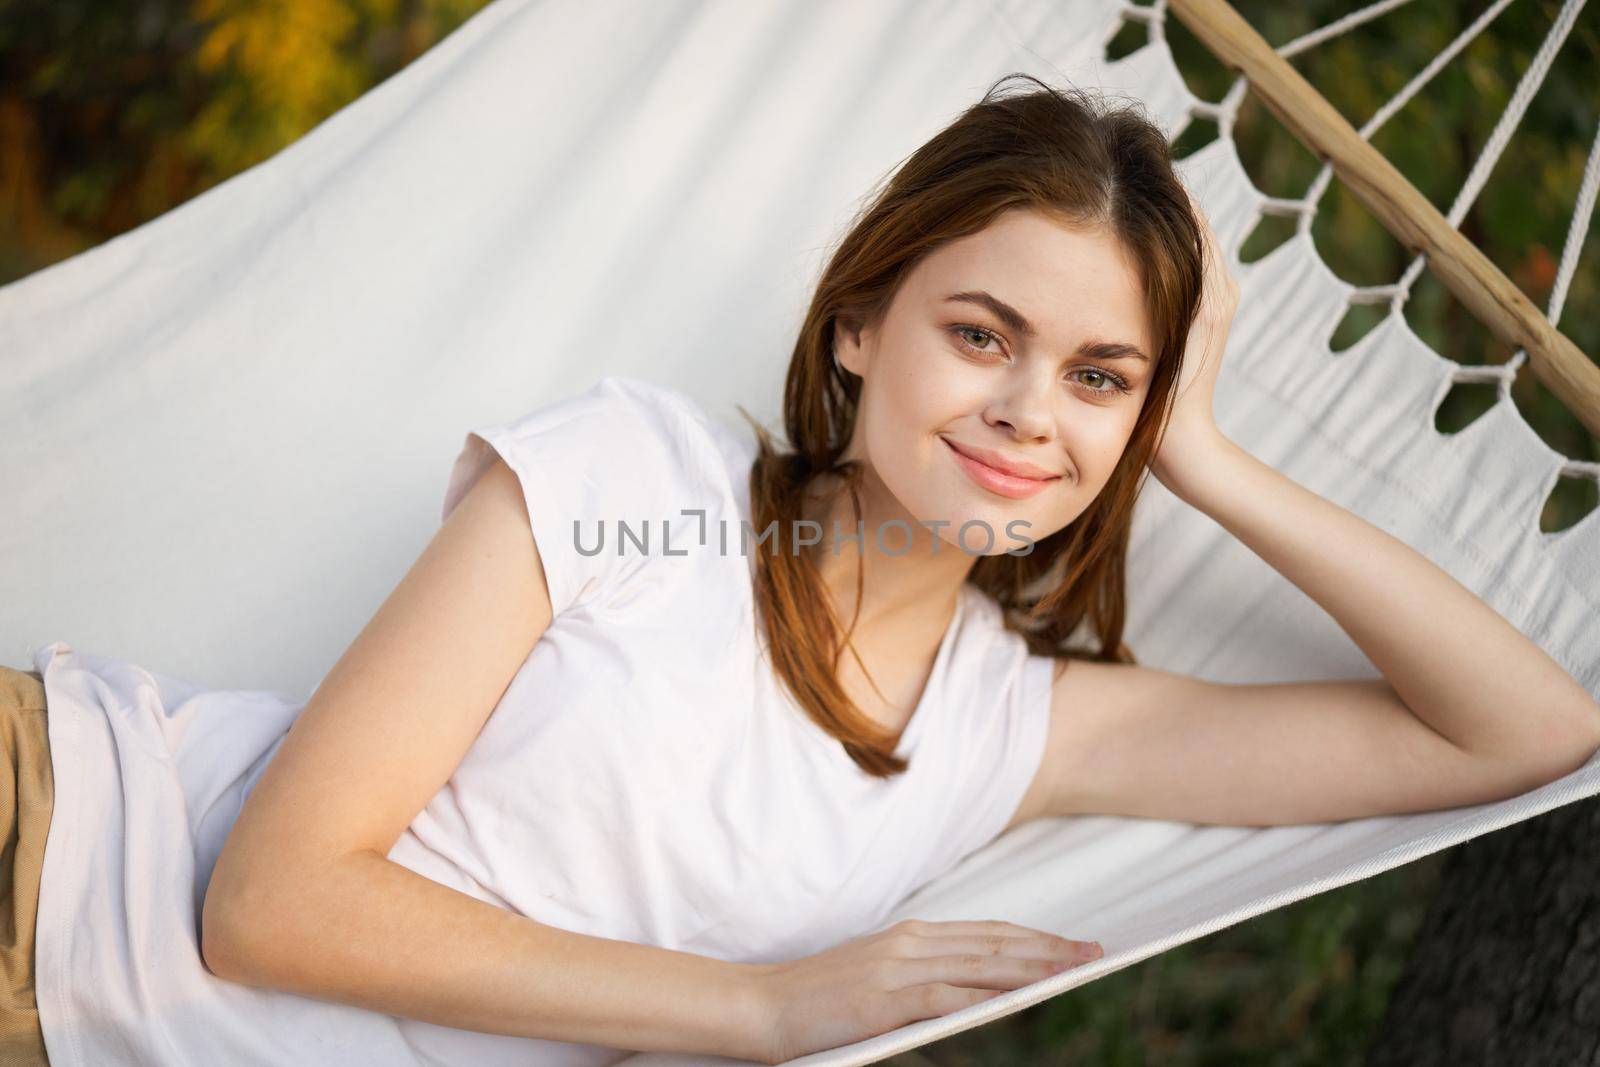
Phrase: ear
{"type": "Point", "coordinates": [848, 350]}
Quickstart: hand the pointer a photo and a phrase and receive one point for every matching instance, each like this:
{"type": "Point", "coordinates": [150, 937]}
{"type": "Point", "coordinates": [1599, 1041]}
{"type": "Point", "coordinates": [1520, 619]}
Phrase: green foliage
{"type": "Point", "coordinates": [1520, 220]}
{"type": "Point", "coordinates": [114, 113]}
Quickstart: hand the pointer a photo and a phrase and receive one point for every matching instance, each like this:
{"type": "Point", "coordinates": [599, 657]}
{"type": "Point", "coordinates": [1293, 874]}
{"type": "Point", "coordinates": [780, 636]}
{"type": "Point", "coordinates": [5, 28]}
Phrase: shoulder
{"type": "Point", "coordinates": [621, 450]}
{"type": "Point", "coordinates": [683, 423]}
{"type": "Point", "coordinates": [618, 425]}
{"type": "Point", "coordinates": [621, 445]}
{"type": "Point", "coordinates": [671, 406]}
{"type": "Point", "coordinates": [632, 448]}
{"type": "Point", "coordinates": [999, 701]}
{"type": "Point", "coordinates": [999, 647]}
{"type": "Point", "coordinates": [997, 669]}
{"type": "Point", "coordinates": [657, 408]}
{"type": "Point", "coordinates": [633, 402]}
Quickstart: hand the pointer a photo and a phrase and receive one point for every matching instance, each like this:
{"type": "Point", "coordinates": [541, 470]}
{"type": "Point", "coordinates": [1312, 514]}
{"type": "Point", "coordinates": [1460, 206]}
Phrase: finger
{"type": "Point", "coordinates": [1030, 946]}
{"type": "Point", "coordinates": [940, 998]}
{"type": "Point", "coordinates": [976, 970]}
{"type": "Point", "coordinates": [1053, 944]}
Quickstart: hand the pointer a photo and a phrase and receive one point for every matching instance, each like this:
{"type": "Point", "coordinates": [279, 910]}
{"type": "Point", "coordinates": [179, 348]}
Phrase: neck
{"type": "Point", "coordinates": [906, 580]}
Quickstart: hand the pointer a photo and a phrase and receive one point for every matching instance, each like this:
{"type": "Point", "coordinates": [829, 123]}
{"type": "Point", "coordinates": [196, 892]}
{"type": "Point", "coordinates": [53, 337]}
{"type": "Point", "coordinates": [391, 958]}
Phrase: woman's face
{"type": "Point", "coordinates": [1016, 344]}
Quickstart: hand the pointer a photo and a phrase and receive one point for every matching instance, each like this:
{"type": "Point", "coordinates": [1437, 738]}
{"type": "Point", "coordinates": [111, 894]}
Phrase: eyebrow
{"type": "Point", "coordinates": [1015, 321]}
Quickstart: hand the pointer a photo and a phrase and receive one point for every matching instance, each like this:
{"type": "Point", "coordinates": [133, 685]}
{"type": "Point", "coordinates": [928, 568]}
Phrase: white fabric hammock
{"type": "Point", "coordinates": [228, 430]}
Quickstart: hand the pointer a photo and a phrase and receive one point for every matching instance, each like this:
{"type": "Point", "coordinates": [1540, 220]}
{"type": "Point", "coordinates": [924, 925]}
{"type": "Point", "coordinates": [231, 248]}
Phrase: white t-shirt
{"type": "Point", "coordinates": [645, 776]}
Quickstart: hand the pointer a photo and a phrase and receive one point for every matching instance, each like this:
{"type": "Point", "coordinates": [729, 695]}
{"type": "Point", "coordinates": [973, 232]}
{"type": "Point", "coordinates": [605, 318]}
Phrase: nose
{"type": "Point", "coordinates": [1024, 407]}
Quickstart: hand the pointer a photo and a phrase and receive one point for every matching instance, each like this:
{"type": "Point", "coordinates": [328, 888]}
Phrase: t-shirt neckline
{"type": "Point", "coordinates": [928, 704]}
{"type": "Point", "coordinates": [915, 726]}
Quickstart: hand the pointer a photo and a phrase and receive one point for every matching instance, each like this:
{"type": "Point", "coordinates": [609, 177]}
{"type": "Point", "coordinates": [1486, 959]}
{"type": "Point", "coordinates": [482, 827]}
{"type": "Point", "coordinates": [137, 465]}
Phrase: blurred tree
{"type": "Point", "coordinates": [1505, 967]}
{"type": "Point", "coordinates": [115, 111]}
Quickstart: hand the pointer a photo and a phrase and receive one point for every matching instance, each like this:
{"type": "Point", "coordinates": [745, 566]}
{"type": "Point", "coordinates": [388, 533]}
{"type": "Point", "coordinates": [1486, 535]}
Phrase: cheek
{"type": "Point", "coordinates": [890, 442]}
{"type": "Point", "coordinates": [902, 414]}
{"type": "Point", "coordinates": [1098, 448]}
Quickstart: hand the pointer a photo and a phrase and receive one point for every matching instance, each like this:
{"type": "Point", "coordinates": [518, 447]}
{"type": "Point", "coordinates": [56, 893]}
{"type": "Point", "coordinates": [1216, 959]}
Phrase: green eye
{"type": "Point", "coordinates": [1116, 383]}
{"type": "Point", "coordinates": [964, 331]}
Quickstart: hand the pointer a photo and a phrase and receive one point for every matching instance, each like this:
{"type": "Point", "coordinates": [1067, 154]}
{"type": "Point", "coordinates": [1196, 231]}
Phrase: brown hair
{"type": "Point", "coordinates": [1062, 152]}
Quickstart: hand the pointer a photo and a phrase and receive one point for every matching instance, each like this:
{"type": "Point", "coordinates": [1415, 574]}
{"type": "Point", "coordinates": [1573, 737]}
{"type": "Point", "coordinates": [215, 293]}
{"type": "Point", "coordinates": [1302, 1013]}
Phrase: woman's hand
{"type": "Point", "coordinates": [909, 971]}
{"type": "Point", "coordinates": [1192, 429]}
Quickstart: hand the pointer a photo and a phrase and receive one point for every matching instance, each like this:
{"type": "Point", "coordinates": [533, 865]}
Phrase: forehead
{"type": "Point", "coordinates": [1069, 281]}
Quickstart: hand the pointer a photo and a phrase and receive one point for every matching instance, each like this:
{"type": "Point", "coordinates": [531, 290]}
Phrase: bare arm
{"type": "Point", "coordinates": [1450, 658]}
{"type": "Point", "coordinates": [1130, 740]}
{"type": "Point", "coordinates": [1468, 711]}
{"type": "Point", "coordinates": [304, 899]}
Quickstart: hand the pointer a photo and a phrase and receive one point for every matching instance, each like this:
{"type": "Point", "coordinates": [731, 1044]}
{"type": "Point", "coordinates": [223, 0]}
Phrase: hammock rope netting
{"type": "Point", "coordinates": [346, 307]}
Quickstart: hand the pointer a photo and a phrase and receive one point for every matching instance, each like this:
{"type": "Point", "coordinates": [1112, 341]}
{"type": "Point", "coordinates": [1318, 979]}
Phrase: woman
{"type": "Point", "coordinates": [559, 799]}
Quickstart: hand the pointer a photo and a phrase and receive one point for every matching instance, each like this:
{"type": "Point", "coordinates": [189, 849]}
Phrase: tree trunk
{"type": "Point", "coordinates": [1505, 969]}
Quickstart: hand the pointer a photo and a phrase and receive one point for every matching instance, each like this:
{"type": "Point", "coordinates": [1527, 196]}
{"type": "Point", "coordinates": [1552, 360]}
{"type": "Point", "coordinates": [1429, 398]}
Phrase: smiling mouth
{"type": "Point", "coordinates": [1010, 486]}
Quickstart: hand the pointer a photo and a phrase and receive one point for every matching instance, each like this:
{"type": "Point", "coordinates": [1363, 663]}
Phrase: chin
{"type": "Point", "coordinates": [957, 506]}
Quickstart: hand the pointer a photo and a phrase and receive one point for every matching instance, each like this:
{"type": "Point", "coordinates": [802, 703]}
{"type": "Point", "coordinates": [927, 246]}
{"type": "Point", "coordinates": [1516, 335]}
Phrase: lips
{"type": "Point", "coordinates": [1002, 482]}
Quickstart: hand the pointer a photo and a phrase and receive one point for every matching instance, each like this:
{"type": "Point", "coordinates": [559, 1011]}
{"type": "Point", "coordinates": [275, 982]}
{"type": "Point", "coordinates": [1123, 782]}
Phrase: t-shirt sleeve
{"type": "Point", "coordinates": [616, 455]}
{"type": "Point", "coordinates": [1018, 749]}
{"type": "Point", "coordinates": [1000, 751]}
